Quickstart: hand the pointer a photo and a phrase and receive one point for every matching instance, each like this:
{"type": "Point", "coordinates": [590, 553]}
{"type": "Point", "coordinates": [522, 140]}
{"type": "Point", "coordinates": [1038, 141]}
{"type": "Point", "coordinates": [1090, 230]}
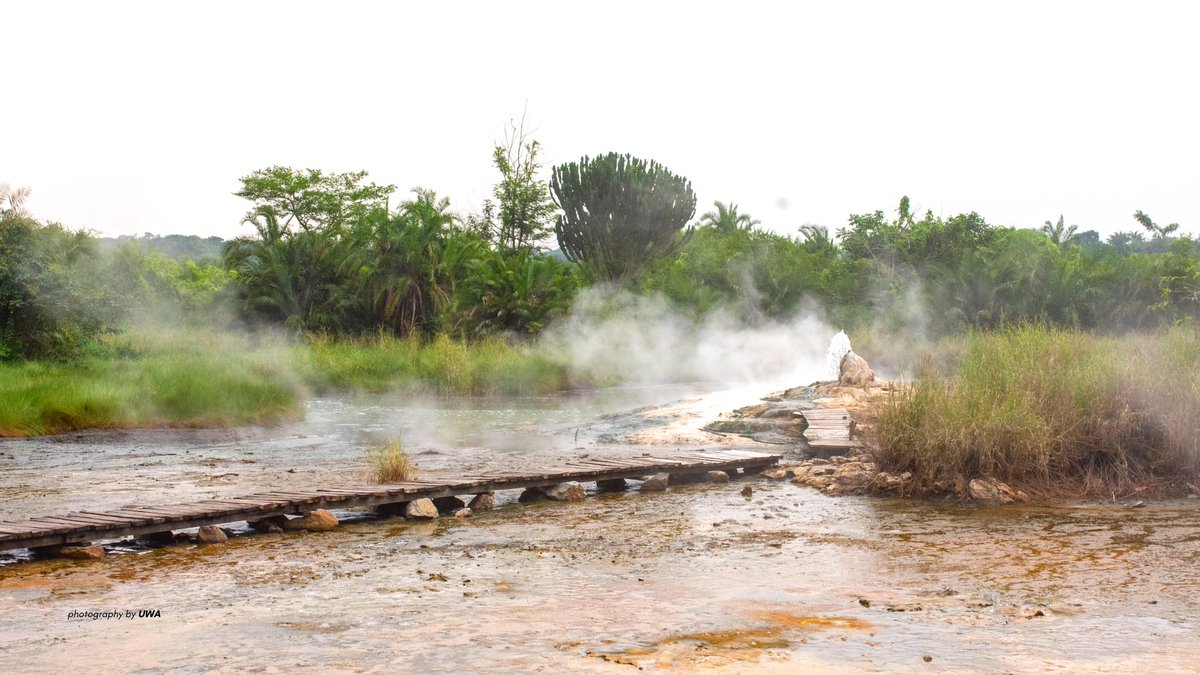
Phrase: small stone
{"type": "Point", "coordinates": [211, 534]}
{"type": "Point", "coordinates": [464, 512]}
{"type": "Point", "coordinates": [747, 491]}
{"type": "Point", "coordinates": [448, 504]}
{"type": "Point", "coordinates": [316, 521]}
{"type": "Point", "coordinates": [483, 502]}
{"type": "Point", "coordinates": [775, 473]}
{"type": "Point", "coordinates": [421, 508]}
{"type": "Point", "coordinates": [864, 602]}
{"type": "Point", "coordinates": [613, 485]}
{"type": "Point", "coordinates": [271, 524]}
{"type": "Point", "coordinates": [570, 491]}
{"type": "Point", "coordinates": [927, 658]}
{"type": "Point", "coordinates": [717, 477]}
{"type": "Point", "coordinates": [990, 491]}
{"type": "Point", "coordinates": [657, 482]}
{"type": "Point", "coordinates": [81, 552]}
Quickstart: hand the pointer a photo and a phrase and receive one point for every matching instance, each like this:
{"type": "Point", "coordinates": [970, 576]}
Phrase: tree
{"type": "Point", "coordinates": [620, 213]}
{"type": "Point", "coordinates": [52, 301]}
{"type": "Point", "coordinates": [1156, 231]}
{"type": "Point", "coordinates": [311, 199]}
{"type": "Point", "coordinates": [12, 201]}
{"type": "Point", "coordinates": [727, 219]}
{"type": "Point", "coordinates": [525, 214]}
{"type": "Point", "coordinates": [1059, 234]}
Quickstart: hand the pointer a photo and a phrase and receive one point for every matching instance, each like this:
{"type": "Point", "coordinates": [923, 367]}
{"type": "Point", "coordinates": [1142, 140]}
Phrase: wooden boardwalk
{"type": "Point", "coordinates": [84, 526]}
{"type": "Point", "coordinates": [829, 431]}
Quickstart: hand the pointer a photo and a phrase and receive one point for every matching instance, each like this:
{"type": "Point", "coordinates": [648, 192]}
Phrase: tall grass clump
{"type": "Point", "coordinates": [147, 381]}
{"type": "Point", "coordinates": [1051, 411]}
{"type": "Point", "coordinates": [389, 463]}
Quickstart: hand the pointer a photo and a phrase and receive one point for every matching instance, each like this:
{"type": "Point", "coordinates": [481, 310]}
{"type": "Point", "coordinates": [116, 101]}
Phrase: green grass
{"type": "Point", "coordinates": [1050, 411]}
{"type": "Point", "coordinates": [177, 388]}
{"type": "Point", "coordinates": [216, 380]}
{"type": "Point", "coordinates": [442, 366]}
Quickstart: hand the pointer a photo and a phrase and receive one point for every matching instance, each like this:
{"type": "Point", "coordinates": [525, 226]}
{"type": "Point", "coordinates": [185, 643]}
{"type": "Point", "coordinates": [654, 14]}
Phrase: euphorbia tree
{"type": "Point", "coordinates": [620, 213]}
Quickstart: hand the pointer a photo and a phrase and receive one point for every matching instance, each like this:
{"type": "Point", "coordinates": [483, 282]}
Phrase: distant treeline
{"type": "Point", "coordinates": [334, 254]}
{"type": "Point", "coordinates": [173, 246]}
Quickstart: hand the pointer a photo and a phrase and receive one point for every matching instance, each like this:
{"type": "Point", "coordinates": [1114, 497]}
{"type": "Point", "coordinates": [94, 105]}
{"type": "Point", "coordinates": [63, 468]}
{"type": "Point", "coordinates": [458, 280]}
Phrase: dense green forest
{"type": "Point", "coordinates": [332, 255]}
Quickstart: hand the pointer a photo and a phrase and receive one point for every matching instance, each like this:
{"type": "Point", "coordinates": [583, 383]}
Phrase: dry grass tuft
{"type": "Point", "coordinates": [390, 464]}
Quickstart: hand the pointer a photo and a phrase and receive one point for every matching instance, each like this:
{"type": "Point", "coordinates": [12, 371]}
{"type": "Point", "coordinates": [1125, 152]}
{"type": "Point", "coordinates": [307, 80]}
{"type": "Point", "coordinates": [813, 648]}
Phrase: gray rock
{"type": "Point", "coordinates": [570, 491]}
{"type": "Point", "coordinates": [211, 534]}
{"type": "Point", "coordinates": [421, 508]}
{"type": "Point", "coordinates": [657, 482]}
{"type": "Point", "coordinates": [854, 371]}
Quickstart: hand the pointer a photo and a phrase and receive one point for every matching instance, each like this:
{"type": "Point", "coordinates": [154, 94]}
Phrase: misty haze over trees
{"type": "Point", "coordinates": [337, 254]}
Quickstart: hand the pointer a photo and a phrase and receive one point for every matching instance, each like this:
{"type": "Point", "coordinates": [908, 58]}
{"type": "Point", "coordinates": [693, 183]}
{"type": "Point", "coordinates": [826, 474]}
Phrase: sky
{"type": "Point", "coordinates": [134, 117]}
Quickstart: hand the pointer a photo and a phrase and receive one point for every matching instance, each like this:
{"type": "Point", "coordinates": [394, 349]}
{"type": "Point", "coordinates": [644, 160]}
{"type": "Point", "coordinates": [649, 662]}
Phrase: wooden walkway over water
{"type": "Point", "coordinates": [85, 526]}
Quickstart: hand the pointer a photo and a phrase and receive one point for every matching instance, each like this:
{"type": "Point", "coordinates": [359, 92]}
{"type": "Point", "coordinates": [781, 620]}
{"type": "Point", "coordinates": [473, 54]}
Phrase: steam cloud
{"type": "Point", "coordinates": [613, 334]}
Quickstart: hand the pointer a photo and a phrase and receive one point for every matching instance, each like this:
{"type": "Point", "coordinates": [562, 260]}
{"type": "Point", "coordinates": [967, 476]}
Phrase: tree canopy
{"type": "Point", "coordinates": [620, 213]}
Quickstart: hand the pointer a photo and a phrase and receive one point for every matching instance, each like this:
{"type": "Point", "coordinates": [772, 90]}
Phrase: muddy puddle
{"type": "Point", "coordinates": [700, 578]}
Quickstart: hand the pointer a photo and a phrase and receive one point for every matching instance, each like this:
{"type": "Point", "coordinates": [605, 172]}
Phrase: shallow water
{"type": "Point", "coordinates": [698, 578]}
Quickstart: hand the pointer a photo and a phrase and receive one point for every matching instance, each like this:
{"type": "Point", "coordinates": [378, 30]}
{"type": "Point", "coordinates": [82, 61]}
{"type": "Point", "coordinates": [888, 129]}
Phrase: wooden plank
{"type": "Point", "coordinates": [834, 443]}
{"type": "Point", "coordinates": [295, 496]}
{"type": "Point", "coordinates": [97, 516]}
{"type": "Point", "coordinates": [113, 516]}
{"type": "Point", "coordinates": [17, 528]}
{"type": "Point", "coordinates": [143, 517]}
{"type": "Point", "coordinates": [148, 513]}
{"type": "Point", "coordinates": [351, 493]}
{"type": "Point", "coordinates": [184, 510]}
{"type": "Point", "coordinates": [77, 521]}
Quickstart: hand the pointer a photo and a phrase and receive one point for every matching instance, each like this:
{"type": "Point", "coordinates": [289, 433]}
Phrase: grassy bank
{"type": "Point", "coordinates": [213, 380]}
{"type": "Point", "coordinates": [442, 366]}
{"type": "Point", "coordinates": [157, 389]}
{"type": "Point", "coordinates": [1051, 412]}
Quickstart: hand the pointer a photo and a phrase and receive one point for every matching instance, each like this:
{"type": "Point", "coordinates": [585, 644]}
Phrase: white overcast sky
{"type": "Point", "coordinates": [140, 117]}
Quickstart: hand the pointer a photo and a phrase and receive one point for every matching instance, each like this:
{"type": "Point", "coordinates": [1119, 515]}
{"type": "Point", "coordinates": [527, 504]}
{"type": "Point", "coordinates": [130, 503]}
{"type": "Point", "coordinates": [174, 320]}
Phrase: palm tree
{"type": "Point", "coordinates": [1155, 230]}
{"type": "Point", "coordinates": [727, 219]}
{"type": "Point", "coordinates": [267, 270]}
{"type": "Point", "coordinates": [1059, 233]}
{"type": "Point", "coordinates": [12, 201]}
{"type": "Point", "coordinates": [816, 238]}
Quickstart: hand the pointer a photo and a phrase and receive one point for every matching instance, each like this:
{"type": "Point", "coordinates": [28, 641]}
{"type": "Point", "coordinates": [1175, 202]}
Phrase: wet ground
{"type": "Point", "coordinates": [698, 578]}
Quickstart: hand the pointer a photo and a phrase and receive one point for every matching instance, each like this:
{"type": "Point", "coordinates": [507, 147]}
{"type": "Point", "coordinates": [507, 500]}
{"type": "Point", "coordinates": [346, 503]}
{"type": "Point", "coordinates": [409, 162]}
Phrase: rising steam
{"type": "Point", "coordinates": [616, 336]}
